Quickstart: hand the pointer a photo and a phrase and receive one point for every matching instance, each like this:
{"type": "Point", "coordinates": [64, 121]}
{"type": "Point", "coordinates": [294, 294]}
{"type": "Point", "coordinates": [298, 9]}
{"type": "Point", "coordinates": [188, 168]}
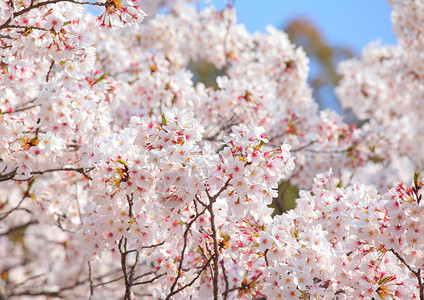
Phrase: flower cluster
{"type": "Point", "coordinates": [347, 243]}
{"type": "Point", "coordinates": [385, 87]}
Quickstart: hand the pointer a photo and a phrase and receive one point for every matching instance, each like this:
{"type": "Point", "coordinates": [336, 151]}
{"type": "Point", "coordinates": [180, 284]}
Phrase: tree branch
{"type": "Point", "coordinates": [180, 265]}
{"type": "Point", "coordinates": [17, 228]}
{"type": "Point", "coordinates": [40, 4]}
{"type": "Point", "coordinates": [416, 273]}
{"type": "Point", "coordinates": [18, 110]}
{"type": "Point", "coordinates": [224, 272]}
{"type": "Point", "coordinates": [123, 250]}
{"type": "Point", "coordinates": [90, 276]}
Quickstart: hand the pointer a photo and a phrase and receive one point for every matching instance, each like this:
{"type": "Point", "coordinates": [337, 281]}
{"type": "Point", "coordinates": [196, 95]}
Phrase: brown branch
{"type": "Point", "coordinates": [18, 110]}
{"type": "Point", "coordinates": [152, 246]}
{"type": "Point", "coordinates": [225, 295]}
{"type": "Point", "coordinates": [59, 224]}
{"type": "Point", "coordinates": [50, 69]}
{"type": "Point", "coordinates": [216, 252]}
{"type": "Point", "coordinates": [32, 292]}
{"type": "Point", "coordinates": [8, 176]}
{"type": "Point", "coordinates": [17, 285]}
{"type": "Point", "coordinates": [134, 268]}
{"type": "Point", "coordinates": [90, 276]}
{"type": "Point", "coordinates": [199, 201]}
{"type": "Point", "coordinates": [40, 4]}
{"type": "Point", "coordinates": [27, 27]}
{"type": "Point", "coordinates": [197, 276]}
{"type": "Point", "coordinates": [12, 174]}
{"type": "Point", "coordinates": [12, 210]}
{"type": "Point", "coordinates": [2, 291]}
{"type": "Point", "coordinates": [304, 146]}
{"type": "Point", "coordinates": [416, 273]}
{"type": "Point", "coordinates": [145, 274]}
{"type": "Point", "coordinates": [205, 256]}
{"type": "Point", "coordinates": [215, 270]}
{"type": "Point", "coordinates": [49, 293]}
{"type": "Point", "coordinates": [123, 250]}
{"type": "Point", "coordinates": [150, 280]}
{"type": "Point", "coordinates": [18, 227]}
{"type": "Point", "coordinates": [82, 170]}
{"type": "Point", "coordinates": [108, 282]}
{"type": "Point", "coordinates": [242, 287]}
{"type": "Point", "coordinates": [180, 265]}
{"type": "Point", "coordinates": [24, 196]}
{"type": "Point", "coordinates": [221, 190]}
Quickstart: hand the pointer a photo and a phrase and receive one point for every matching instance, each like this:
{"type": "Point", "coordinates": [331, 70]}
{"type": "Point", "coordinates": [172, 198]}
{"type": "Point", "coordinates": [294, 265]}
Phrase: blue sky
{"type": "Point", "coordinates": [353, 23]}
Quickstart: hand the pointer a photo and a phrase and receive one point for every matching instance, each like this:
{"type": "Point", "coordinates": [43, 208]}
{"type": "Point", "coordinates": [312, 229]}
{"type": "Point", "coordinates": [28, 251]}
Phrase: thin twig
{"type": "Point", "coordinates": [224, 272]}
{"type": "Point", "coordinates": [197, 276]}
{"type": "Point", "coordinates": [18, 228]}
{"type": "Point", "coordinates": [82, 170]}
{"type": "Point", "coordinates": [24, 196]}
{"type": "Point", "coordinates": [152, 246]}
{"type": "Point", "coordinates": [416, 273]}
{"type": "Point", "coordinates": [90, 276]}
{"type": "Point", "coordinates": [150, 280]}
{"type": "Point", "coordinates": [6, 24]}
{"type": "Point", "coordinates": [123, 250]}
{"type": "Point", "coordinates": [304, 146]}
{"type": "Point", "coordinates": [50, 69]}
{"type": "Point", "coordinates": [216, 253]}
{"type": "Point", "coordinates": [180, 265]}
{"type": "Point", "coordinates": [18, 110]}
{"type": "Point", "coordinates": [108, 282]}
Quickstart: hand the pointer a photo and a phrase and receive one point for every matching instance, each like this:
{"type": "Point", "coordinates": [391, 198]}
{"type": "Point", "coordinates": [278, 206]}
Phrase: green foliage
{"type": "Point", "coordinates": [286, 200]}
{"type": "Point", "coordinates": [205, 73]}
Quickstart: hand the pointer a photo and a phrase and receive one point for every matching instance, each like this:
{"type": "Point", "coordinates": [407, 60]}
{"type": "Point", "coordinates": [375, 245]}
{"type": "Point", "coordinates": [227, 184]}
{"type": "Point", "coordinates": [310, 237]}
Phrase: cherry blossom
{"type": "Point", "coordinates": [119, 167]}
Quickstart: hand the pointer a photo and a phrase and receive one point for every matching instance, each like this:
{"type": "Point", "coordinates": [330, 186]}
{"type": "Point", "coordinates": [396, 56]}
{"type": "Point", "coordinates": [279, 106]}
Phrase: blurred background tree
{"type": "Point", "coordinates": [323, 57]}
